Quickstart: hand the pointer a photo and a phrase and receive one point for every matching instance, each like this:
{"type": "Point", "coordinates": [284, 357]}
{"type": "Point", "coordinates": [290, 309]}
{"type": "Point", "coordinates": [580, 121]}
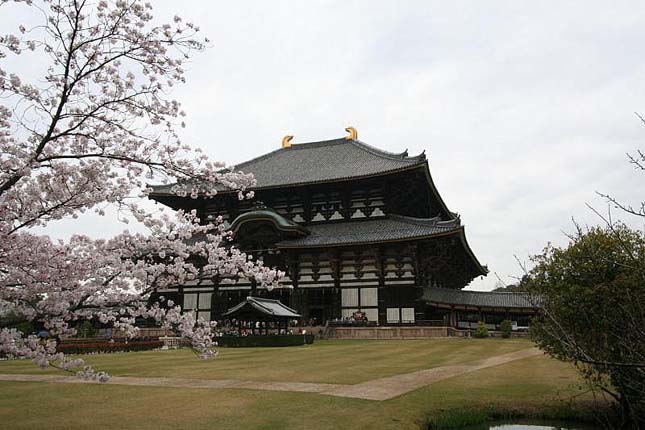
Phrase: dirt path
{"type": "Point", "coordinates": [394, 386]}
{"type": "Point", "coordinates": [376, 389]}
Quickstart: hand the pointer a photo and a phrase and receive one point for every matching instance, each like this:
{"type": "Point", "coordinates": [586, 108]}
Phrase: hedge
{"type": "Point", "coordinates": [268, 340]}
{"type": "Point", "coordinates": [106, 347]}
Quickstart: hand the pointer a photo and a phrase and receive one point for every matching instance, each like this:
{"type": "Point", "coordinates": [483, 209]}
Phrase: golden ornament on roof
{"type": "Point", "coordinates": [353, 134]}
{"type": "Point", "coordinates": [286, 141]}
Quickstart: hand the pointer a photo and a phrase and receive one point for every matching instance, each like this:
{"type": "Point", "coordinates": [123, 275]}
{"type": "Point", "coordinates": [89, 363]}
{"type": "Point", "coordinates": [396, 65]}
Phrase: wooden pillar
{"type": "Point", "coordinates": [307, 212]}
{"type": "Point", "coordinates": [346, 202]}
{"type": "Point", "coordinates": [304, 304]}
{"type": "Point", "coordinates": [300, 303]}
{"type": "Point", "coordinates": [336, 264]}
{"type": "Point", "coordinates": [380, 273]}
{"type": "Point", "coordinates": [453, 317]}
{"type": "Point", "coordinates": [419, 304]}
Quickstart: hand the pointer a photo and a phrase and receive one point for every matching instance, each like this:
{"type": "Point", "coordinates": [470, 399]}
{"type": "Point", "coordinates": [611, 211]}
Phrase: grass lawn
{"type": "Point", "coordinates": [341, 362]}
{"type": "Point", "coordinates": [537, 383]}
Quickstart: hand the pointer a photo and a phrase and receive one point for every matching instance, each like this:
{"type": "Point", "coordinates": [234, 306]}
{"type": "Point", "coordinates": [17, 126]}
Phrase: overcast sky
{"type": "Point", "coordinates": [525, 109]}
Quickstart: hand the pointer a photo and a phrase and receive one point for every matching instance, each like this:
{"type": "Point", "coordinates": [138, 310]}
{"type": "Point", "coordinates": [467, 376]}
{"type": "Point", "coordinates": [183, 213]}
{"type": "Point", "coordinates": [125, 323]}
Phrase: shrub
{"type": "Point", "coordinates": [482, 331]}
{"type": "Point", "coordinates": [506, 327]}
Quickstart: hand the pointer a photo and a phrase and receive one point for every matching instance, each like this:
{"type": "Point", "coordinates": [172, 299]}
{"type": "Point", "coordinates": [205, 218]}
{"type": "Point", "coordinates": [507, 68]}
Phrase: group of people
{"type": "Point", "coordinates": [357, 318]}
{"type": "Point", "coordinates": [246, 328]}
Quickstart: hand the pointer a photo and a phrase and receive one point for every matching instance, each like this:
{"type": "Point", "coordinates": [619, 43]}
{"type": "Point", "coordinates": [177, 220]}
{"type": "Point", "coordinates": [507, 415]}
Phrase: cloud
{"type": "Point", "coordinates": [525, 109]}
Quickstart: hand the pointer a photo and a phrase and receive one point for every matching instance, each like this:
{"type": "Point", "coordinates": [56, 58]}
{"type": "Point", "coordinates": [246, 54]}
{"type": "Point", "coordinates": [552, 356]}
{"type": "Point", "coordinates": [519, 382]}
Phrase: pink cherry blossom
{"type": "Point", "coordinates": [99, 129]}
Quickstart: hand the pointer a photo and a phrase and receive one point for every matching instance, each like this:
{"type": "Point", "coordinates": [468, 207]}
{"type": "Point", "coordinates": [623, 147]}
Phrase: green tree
{"type": "Point", "coordinates": [506, 327]}
{"type": "Point", "coordinates": [13, 320]}
{"type": "Point", "coordinates": [592, 294]}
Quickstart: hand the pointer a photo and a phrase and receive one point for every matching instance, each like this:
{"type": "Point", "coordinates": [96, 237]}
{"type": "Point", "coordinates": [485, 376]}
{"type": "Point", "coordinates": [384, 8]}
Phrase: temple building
{"type": "Point", "coordinates": [355, 228]}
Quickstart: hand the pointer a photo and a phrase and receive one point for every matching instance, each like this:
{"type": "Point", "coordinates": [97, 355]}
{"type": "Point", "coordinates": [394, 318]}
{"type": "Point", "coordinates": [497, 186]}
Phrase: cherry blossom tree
{"type": "Point", "coordinates": [91, 132]}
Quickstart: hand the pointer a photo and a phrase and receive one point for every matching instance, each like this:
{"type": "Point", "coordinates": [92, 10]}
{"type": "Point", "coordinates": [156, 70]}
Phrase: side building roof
{"type": "Point", "coordinates": [479, 299]}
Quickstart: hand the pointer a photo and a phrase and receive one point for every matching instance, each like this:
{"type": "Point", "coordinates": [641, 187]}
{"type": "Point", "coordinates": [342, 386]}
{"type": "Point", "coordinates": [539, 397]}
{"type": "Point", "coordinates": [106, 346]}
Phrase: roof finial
{"type": "Point", "coordinates": [286, 141]}
{"type": "Point", "coordinates": [353, 134]}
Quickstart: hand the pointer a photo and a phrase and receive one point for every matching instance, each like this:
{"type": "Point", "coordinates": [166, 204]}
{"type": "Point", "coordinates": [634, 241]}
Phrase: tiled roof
{"type": "Point", "coordinates": [273, 308]}
{"type": "Point", "coordinates": [479, 298]}
{"type": "Point", "coordinates": [394, 227]}
{"type": "Point", "coordinates": [325, 161]}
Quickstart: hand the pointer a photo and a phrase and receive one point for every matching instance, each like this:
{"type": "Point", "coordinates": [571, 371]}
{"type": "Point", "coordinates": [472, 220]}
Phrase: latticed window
{"type": "Point", "coordinates": [200, 302]}
{"type": "Point", "coordinates": [371, 314]}
{"type": "Point", "coordinates": [400, 315]}
{"type": "Point", "coordinates": [369, 297]}
{"type": "Point", "coordinates": [360, 299]}
{"type": "Point", "coordinates": [393, 316]}
{"type": "Point", "coordinates": [349, 297]}
{"type": "Point", "coordinates": [190, 301]}
{"type": "Point", "coordinates": [407, 315]}
{"type": "Point", "coordinates": [348, 312]}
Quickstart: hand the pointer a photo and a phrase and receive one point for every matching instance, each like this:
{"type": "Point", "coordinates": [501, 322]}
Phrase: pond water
{"type": "Point", "coordinates": [535, 426]}
{"type": "Point", "coordinates": [527, 427]}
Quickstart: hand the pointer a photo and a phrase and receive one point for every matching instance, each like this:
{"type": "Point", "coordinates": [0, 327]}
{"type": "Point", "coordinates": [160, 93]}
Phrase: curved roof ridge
{"type": "Point", "coordinates": [256, 303]}
{"type": "Point", "coordinates": [387, 154]}
{"type": "Point", "coordinates": [264, 299]}
{"type": "Point", "coordinates": [499, 292]}
{"type": "Point", "coordinates": [480, 292]}
{"type": "Point", "coordinates": [315, 144]}
{"type": "Point", "coordinates": [434, 221]}
{"type": "Point", "coordinates": [267, 214]}
{"type": "Point", "coordinates": [414, 220]}
{"type": "Point", "coordinates": [258, 158]}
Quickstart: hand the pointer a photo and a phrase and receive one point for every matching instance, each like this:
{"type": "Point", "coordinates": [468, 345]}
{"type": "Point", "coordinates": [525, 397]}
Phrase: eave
{"type": "Point", "coordinates": [480, 270]}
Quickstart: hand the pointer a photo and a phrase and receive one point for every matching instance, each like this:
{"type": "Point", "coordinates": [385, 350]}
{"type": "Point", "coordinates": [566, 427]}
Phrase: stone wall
{"type": "Point", "coordinates": [413, 332]}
